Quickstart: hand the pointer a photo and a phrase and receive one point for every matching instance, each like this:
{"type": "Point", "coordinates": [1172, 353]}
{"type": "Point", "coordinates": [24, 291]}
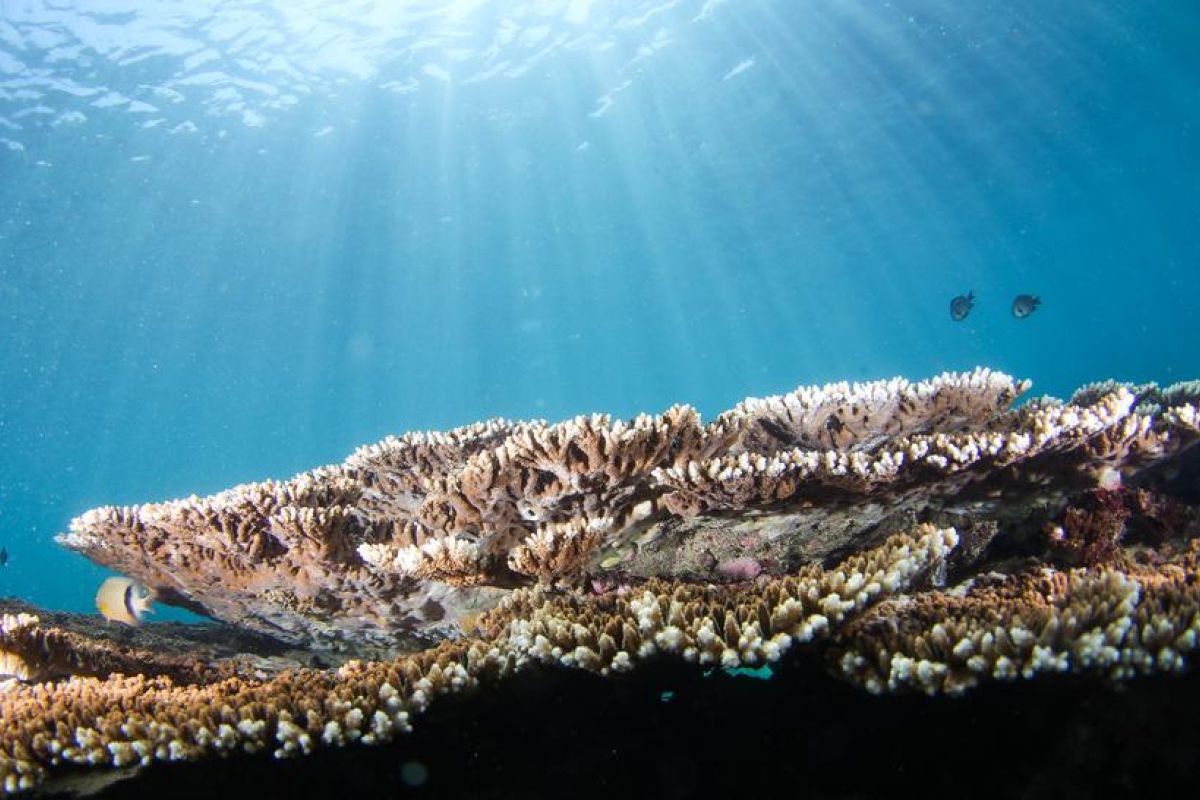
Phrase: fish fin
{"type": "Point", "coordinates": [144, 603]}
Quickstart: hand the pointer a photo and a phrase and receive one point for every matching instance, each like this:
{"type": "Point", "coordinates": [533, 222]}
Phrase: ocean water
{"type": "Point", "coordinates": [239, 239]}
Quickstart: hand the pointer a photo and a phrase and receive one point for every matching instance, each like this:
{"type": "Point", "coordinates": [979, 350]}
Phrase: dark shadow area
{"type": "Point", "coordinates": [670, 732]}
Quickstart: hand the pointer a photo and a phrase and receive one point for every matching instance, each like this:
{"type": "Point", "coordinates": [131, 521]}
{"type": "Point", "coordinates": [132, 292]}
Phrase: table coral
{"type": "Point", "coordinates": [1116, 621]}
{"type": "Point", "coordinates": [919, 536]}
{"type": "Point", "coordinates": [121, 721]}
{"type": "Point", "coordinates": [410, 535]}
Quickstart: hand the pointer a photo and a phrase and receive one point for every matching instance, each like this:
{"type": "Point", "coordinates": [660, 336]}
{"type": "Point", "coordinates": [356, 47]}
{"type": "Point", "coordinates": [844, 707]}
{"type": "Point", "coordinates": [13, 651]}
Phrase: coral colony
{"type": "Point", "coordinates": [920, 536]}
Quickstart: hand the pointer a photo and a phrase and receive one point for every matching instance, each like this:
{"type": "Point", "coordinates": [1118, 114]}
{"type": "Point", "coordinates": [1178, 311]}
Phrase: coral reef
{"type": "Point", "coordinates": [41, 645]}
{"type": "Point", "coordinates": [917, 536]}
{"type": "Point", "coordinates": [33, 652]}
{"type": "Point", "coordinates": [122, 721]}
{"type": "Point", "coordinates": [1091, 529]}
{"type": "Point", "coordinates": [412, 535]}
{"type": "Point", "coordinates": [1120, 622]}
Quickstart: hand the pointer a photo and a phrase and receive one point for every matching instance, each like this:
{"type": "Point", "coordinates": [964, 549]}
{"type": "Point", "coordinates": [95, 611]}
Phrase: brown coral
{"type": "Point", "coordinates": [1116, 621]}
{"type": "Point", "coordinates": [127, 721]}
{"type": "Point", "coordinates": [557, 548]}
{"type": "Point", "coordinates": [844, 416]}
{"type": "Point", "coordinates": [727, 625]}
{"type": "Point", "coordinates": [712, 543]}
{"type": "Point", "coordinates": [409, 536]}
{"type": "Point", "coordinates": [1091, 529]}
{"type": "Point", "coordinates": [1107, 431]}
{"type": "Point", "coordinates": [34, 652]}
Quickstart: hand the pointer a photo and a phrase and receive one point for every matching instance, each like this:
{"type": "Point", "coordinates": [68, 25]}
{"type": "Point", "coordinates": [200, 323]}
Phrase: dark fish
{"type": "Point", "coordinates": [961, 306]}
{"type": "Point", "coordinates": [3, 556]}
{"type": "Point", "coordinates": [1024, 305]}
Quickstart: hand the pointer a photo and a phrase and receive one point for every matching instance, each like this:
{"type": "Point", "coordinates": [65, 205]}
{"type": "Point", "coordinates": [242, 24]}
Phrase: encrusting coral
{"type": "Point", "coordinates": [920, 536]}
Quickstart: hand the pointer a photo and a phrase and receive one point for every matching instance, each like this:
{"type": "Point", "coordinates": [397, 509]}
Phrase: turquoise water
{"type": "Point", "coordinates": [239, 239]}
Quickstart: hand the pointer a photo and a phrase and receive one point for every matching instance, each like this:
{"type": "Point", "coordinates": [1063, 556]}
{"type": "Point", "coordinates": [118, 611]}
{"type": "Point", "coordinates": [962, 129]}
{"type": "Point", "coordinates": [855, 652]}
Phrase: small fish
{"type": "Point", "coordinates": [124, 600]}
{"type": "Point", "coordinates": [1024, 305]}
{"type": "Point", "coordinates": [3, 556]}
{"type": "Point", "coordinates": [961, 306]}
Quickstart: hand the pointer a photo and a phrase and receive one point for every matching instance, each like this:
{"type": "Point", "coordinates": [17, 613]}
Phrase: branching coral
{"type": "Point", "coordinates": [829, 517]}
{"type": "Point", "coordinates": [411, 535]}
{"type": "Point", "coordinates": [122, 721]}
{"type": "Point", "coordinates": [859, 416]}
{"type": "Point", "coordinates": [1116, 621]}
{"type": "Point", "coordinates": [1090, 530]}
{"type": "Point", "coordinates": [134, 720]}
{"type": "Point", "coordinates": [727, 625]}
{"type": "Point", "coordinates": [1106, 430]}
{"type": "Point", "coordinates": [880, 615]}
{"type": "Point", "coordinates": [32, 651]}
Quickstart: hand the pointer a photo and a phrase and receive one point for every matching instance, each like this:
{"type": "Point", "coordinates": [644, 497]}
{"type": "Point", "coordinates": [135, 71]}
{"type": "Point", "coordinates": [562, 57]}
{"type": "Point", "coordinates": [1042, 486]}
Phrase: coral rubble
{"type": "Point", "coordinates": [923, 536]}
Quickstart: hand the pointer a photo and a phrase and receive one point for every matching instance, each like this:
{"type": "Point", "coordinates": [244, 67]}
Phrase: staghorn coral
{"type": "Point", "coordinates": [122, 721]}
{"type": "Point", "coordinates": [409, 537]}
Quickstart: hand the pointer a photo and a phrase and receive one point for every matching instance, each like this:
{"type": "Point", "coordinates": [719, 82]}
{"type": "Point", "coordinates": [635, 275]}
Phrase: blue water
{"type": "Point", "coordinates": [239, 239]}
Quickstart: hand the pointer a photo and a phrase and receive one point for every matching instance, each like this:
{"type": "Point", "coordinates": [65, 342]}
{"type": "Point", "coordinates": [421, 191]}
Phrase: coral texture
{"type": "Point", "coordinates": [413, 535]}
{"type": "Point", "coordinates": [31, 651]}
{"type": "Point", "coordinates": [1119, 622]}
{"type": "Point", "coordinates": [920, 536]}
{"type": "Point", "coordinates": [122, 721]}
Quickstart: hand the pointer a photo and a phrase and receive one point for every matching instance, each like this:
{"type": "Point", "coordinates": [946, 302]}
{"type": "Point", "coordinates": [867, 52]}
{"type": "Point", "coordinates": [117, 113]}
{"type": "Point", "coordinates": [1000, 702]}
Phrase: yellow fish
{"type": "Point", "coordinates": [124, 600]}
